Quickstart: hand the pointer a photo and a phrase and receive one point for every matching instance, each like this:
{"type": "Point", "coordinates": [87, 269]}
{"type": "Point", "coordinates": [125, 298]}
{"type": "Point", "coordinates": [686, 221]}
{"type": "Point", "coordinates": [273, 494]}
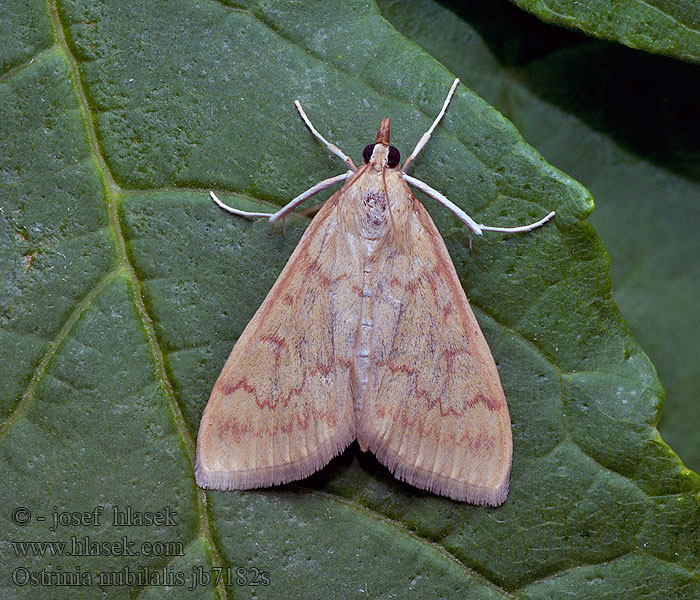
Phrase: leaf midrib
{"type": "Point", "coordinates": [111, 195]}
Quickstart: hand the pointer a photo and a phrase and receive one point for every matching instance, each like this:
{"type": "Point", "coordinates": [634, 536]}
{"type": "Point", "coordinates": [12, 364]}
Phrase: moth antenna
{"type": "Point", "coordinates": [386, 195]}
{"type": "Point", "coordinates": [332, 147]}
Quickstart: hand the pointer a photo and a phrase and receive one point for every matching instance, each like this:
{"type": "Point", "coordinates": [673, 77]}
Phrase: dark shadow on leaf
{"type": "Point", "coordinates": [646, 103]}
{"type": "Point", "coordinates": [337, 470]}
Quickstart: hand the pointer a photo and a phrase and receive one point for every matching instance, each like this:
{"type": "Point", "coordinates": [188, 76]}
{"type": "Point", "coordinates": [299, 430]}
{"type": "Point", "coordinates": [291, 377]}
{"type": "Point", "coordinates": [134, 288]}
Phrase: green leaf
{"type": "Point", "coordinates": [570, 97]}
{"type": "Point", "coordinates": [124, 289]}
{"type": "Point", "coordinates": [25, 29]}
{"type": "Point", "coordinates": [662, 26]}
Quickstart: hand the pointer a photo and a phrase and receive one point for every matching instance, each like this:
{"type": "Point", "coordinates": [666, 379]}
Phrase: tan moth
{"type": "Point", "coordinates": [367, 334]}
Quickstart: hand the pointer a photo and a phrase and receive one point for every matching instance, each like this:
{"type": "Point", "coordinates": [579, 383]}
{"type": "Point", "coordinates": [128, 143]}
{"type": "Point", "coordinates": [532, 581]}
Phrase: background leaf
{"type": "Point", "coordinates": [659, 26]}
{"type": "Point", "coordinates": [623, 123]}
{"type": "Point", "coordinates": [124, 290]}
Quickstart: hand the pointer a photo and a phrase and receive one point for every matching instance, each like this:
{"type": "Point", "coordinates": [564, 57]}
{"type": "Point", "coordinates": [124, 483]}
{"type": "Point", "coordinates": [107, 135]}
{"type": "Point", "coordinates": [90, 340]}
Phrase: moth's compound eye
{"type": "Point", "coordinates": [393, 158]}
{"type": "Point", "coordinates": [367, 152]}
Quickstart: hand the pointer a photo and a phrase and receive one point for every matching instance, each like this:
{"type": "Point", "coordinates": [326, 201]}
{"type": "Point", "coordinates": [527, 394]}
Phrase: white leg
{"type": "Point", "coordinates": [311, 210]}
{"type": "Point", "coordinates": [435, 195]}
{"type": "Point", "coordinates": [520, 229]}
{"type": "Point", "coordinates": [321, 185]}
{"type": "Point", "coordinates": [235, 211]}
{"type": "Point", "coordinates": [332, 147]}
{"type": "Point", "coordinates": [426, 136]}
{"type": "Point", "coordinates": [477, 228]}
{"type": "Point", "coordinates": [287, 208]}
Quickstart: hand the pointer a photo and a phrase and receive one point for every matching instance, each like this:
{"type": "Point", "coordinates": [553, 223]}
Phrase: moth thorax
{"type": "Point", "coordinates": [374, 214]}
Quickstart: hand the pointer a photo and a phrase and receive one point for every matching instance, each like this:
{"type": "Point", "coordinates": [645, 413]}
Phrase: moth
{"type": "Point", "coordinates": [367, 334]}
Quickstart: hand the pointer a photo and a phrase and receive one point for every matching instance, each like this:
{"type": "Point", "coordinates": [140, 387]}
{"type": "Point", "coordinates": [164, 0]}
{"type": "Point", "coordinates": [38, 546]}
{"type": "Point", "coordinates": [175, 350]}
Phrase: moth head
{"type": "Point", "coordinates": [381, 154]}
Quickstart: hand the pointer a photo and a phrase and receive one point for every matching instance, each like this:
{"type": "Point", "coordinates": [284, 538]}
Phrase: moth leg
{"type": "Point", "coordinates": [287, 208]}
{"type": "Point", "coordinates": [426, 136]}
{"type": "Point", "coordinates": [474, 227]}
{"type": "Point", "coordinates": [332, 147]}
{"type": "Point", "coordinates": [320, 186]}
{"type": "Point", "coordinates": [311, 210]}
{"type": "Point", "coordinates": [435, 195]}
{"type": "Point", "coordinates": [520, 229]}
{"type": "Point", "coordinates": [235, 211]}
